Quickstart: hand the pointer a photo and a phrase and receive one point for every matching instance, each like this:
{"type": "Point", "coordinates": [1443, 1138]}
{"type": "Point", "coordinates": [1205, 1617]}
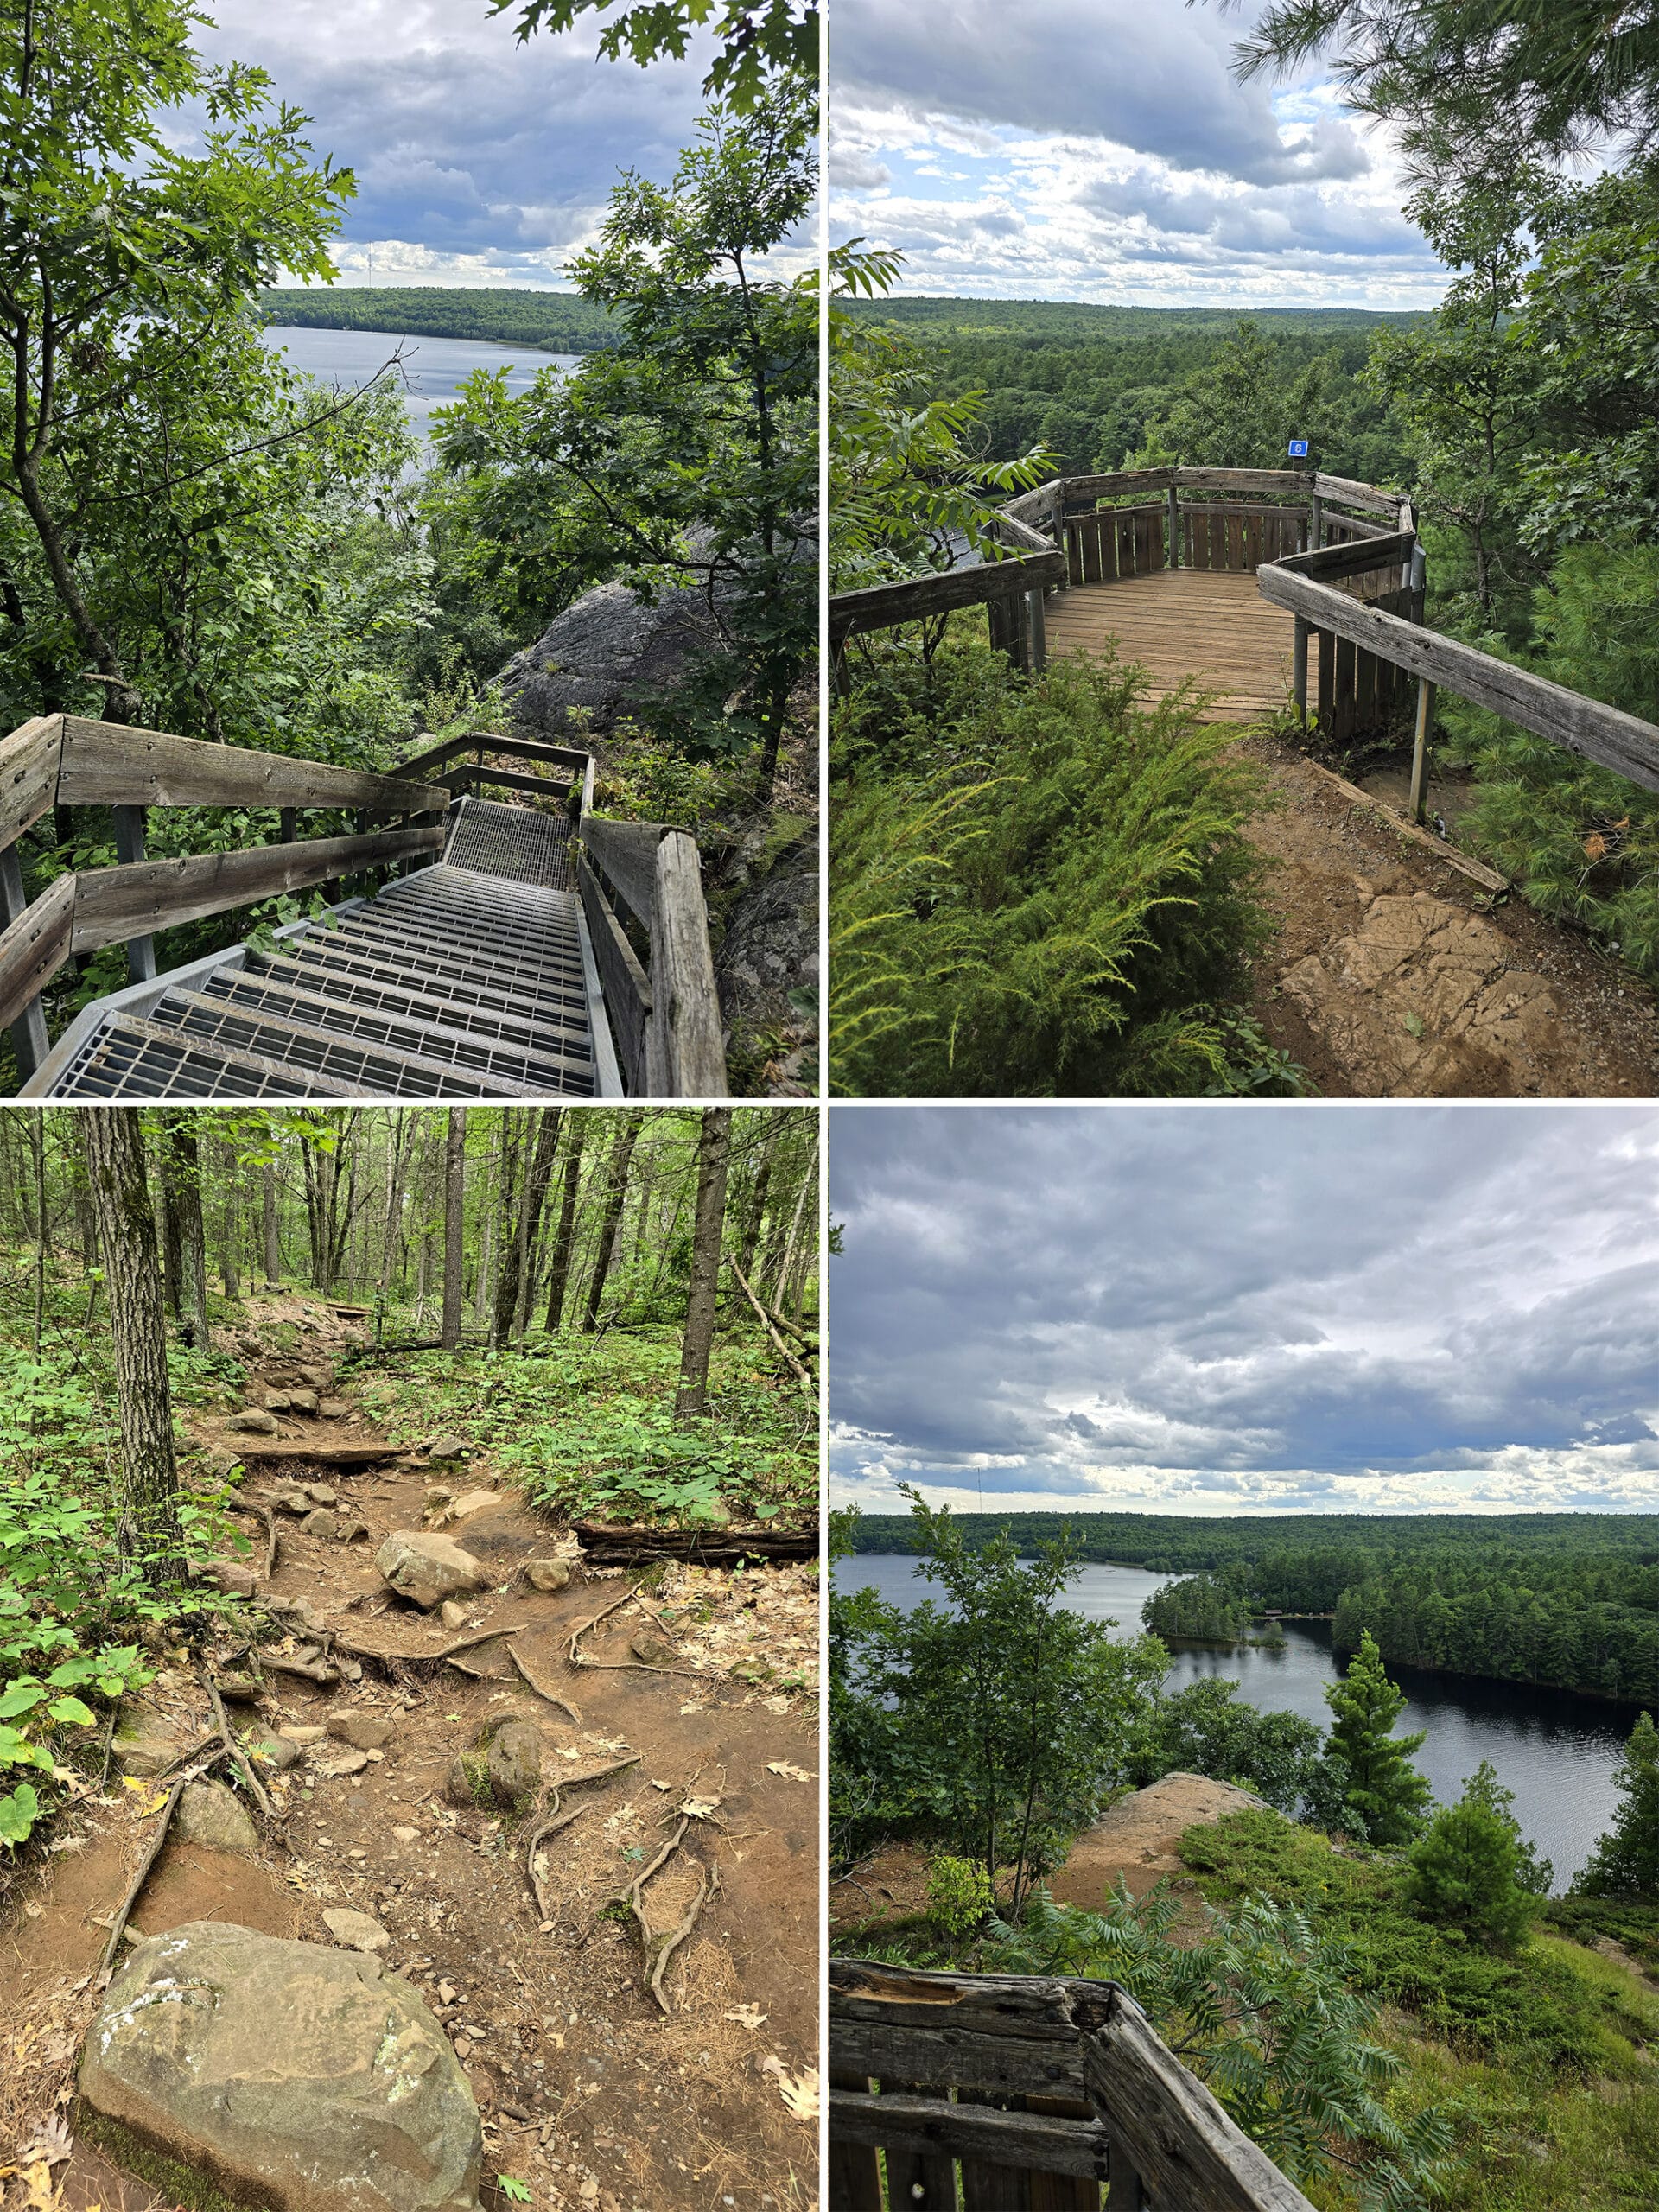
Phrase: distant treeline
{"type": "Point", "coordinates": [1107, 387]}
{"type": "Point", "coordinates": [556, 322]}
{"type": "Point", "coordinates": [1564, 1600]}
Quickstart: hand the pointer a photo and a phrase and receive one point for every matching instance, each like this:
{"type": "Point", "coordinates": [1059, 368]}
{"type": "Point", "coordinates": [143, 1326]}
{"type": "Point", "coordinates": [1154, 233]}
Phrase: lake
{"type": "Point", "coordinates": [434, 369]}
{"type": "Point", "coordinates": [1554, 1750]}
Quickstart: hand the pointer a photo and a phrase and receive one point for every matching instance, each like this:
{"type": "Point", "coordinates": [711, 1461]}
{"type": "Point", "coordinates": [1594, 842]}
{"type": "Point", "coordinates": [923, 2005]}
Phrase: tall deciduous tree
{"type": "Point", "coordinates": [558, 1272]}
{"type": "Point", "coordinates": [454, 1250]}
{"type": "Point", "coordinates": [186, 1241]}
{"type": "Point", "coordinates": [148, 1521]}
{"type": "Point", "coordinates": [714, 1148]}
{"type": "Point", "coordinates": [757, 38]}
{"type": "Point", "coordinates": [610, 1220]}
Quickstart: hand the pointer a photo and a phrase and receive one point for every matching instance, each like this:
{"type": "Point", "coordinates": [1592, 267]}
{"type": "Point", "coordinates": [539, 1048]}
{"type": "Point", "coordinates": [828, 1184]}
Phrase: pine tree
{"type": "Point", "coordinates": [1385, 1797]}
{"type": "Point", "coordinates": [1626, 1860]}
{"type": "Point", "coordinates": [1466, 1874]}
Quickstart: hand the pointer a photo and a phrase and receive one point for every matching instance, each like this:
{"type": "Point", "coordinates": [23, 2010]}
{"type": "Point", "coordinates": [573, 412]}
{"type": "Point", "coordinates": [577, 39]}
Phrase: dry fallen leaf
{"type": "Point", "coordinates": [798, 2091]}
{"type": "Point", "coordinates": [790, 1773]}
{"type": "Point", "coordinates": [748, 2015]}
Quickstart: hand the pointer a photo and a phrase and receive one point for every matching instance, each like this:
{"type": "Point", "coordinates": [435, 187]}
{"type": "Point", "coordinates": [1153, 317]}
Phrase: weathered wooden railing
{"type": "Point", "coordinates": [664, 1010]}
{"type": "Point", "coordinates": [1382, 633]}
{"type": "Point", "coordinates": [1041, 2091]}
{"type": "Point", "coordinates": [67, 761]}
{"type": "Point", "coordinates": [1060, 534]}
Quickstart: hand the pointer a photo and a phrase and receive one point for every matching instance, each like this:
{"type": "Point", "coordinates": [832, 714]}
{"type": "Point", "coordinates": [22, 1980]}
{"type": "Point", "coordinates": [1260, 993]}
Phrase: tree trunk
{"type": "Point", "coordinates": [515, 1135]}
{"type": "Point", "coordinates": [181, 1181]}
{"type": "Point", "coordinates": [517, 1286]}
{"type": "Point", "coordinates": [455, 1250]}
{"type": "Point", "coordinates": [615, 1191]}
{"type": "Point", "coordinates": [559, 1265]}
{"type": "Point", "coordinates": [273, 1239]}
{"type": "Point", "coordinates": [148, 1521]}
{"type": "Point", "coordinates": [714, 1148]}
{"type": "Point", "coordinates": [229, 1223]}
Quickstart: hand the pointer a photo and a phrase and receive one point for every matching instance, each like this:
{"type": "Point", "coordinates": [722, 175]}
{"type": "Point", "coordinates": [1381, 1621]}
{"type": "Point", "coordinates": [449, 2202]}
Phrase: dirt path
{"type": "Point", "coordinates": [1394, 975]}
{"type": "Point", "coordinates": [588, 2094]}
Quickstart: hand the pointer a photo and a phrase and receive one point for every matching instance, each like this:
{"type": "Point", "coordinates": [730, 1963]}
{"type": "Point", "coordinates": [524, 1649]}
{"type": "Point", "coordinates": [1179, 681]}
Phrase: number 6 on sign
{"type": "Point", "coordinates": [1299, 448]}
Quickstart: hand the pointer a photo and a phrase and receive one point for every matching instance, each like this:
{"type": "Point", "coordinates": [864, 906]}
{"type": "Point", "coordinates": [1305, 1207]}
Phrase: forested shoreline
{"type": "Point", "coordinates": [1567, 1601]}
{"type": "Point", "coordinates": [552, 322]}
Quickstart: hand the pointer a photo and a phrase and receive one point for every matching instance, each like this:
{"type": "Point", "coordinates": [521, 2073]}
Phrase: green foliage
{"type": "Point", "coordinates": [1383, 1796]}
{"type": "Point", "coordinates": [1205, 1728]}
{"type": "Point", "coordinates": [1259, 2005]}
{"type": "Point", "coordinates": [760, 39]}
{"type": "Point", "coordinates": [1537, 2007]}
{"type": "Point", "coordinates": [1035, 887]}
{"type": "Point", "coordinates": [1625, 1861]}
{"type": "Point", "coordinates": [554, 322]}
{"type": "Point", "coordinates": [997, 1721]}
{"type": "Point", "coordinates": [1199, 1606]}
{"type": "Point", "coordinates": [960, 1896]}
{"type": "Point", "coordinates": [1464, 1874]}
{"type": "Point", "coordinates": [588, 1426]}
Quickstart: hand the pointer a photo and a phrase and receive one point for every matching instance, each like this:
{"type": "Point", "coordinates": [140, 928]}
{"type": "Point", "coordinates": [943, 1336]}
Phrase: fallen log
{"type": "Point", "coordinates": [604, 1545]}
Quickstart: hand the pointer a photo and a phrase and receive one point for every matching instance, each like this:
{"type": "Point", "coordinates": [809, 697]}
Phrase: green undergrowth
{"type": "Point", "coordinates": [1546, 2060]}
{"type": "Point", "coordinates": [586, 1424]}
{"type": "Point", "coordinates": [1040, 885]}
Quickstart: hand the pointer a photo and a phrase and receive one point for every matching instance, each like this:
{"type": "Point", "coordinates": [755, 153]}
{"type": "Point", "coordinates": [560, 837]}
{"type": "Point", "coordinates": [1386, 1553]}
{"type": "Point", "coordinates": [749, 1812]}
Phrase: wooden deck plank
{"type": "Point", "coordinates": [1212, 625]}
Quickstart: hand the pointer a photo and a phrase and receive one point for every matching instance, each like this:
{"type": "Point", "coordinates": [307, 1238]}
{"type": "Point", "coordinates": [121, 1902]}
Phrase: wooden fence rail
{"type": "Point", "coordinates": [1035, 2090]}
{"type": "Point", "coordinates": [664, 1010]}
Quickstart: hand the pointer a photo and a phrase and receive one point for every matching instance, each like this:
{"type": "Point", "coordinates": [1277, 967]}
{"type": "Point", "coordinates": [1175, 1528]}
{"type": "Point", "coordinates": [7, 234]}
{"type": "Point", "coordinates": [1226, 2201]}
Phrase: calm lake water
{"type": "Point", "coordinates": [1555, 1750]}
{"type": "Point", "coordinates": [434, 368]}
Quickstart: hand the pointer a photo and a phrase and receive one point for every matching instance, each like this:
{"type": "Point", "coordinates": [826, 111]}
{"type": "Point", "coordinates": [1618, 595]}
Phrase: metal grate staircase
{"type": "Point", "coordinates": [471, 978]}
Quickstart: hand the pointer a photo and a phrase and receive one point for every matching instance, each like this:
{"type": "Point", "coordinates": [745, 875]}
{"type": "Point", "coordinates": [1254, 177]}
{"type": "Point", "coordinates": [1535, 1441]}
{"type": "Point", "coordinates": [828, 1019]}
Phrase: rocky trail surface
{"type": "Point", "coordinates": [591, 1857]}
{"type": "Point", "coordinates": [1393, 975]}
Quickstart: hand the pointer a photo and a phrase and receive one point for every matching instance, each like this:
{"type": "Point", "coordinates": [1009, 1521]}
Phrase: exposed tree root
{"type": "Point", "coordinates": [577, 1658]}
{"type": "Point", "coordinates": [541, 1689]}
{"type": "Point", "coordinates": [237, 1757]}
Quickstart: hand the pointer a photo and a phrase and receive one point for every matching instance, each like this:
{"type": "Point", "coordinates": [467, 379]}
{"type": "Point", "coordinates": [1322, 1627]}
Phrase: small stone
{"type": "Point", "coordinates": [276, 1402]}
{"type": "Point", "coordinates": [467, 1780]}
{"type": "Point", "coordinates": [232, 1577]}
{"type": "Point", "coordinates": [271, 1751]}
{"type": "Point", "coordinates": [474, 1500]}
{"type": "Point", "coordinates": [303, 1735]}
{"type": "Point", "coordinates": [303, 1401]}
{"type": "Point", "coordinates": [253, 1422]}
{"type": "Point", "coordinates": [355, 1931]}
{"type": "Point", "coordinates": [548, 1573]}
{"type": "Point", "coordinates": [209, 1813]}
{"type": "Point", "coordinates": [334, 1408]}
{"type": "Point", "coordinates": [291, 1499]}
{"type": "Point", "coordinates": [321, 1523]}
{"type": "Point", "coordinates": [362, 1730]}
{"type": "Point", "coordinates": [316, 1377]}
{"type": "Point", "coordinates": [451, 1614]}
{"type": "Point", "coordinates": [437, 1495]}
{"type": "Point", "coordinates": [515, 1762]}
{"type": "Point", "coordinates": [405, 1836]}
{"type": "Point", "coordinates": [240, 1689]}
{"type": "Point", "coordinates": [449, 1447]}
{"type": "Point", "coordinates": [347, 1763]}
{"type": "Point", "coordinates": [651, 1651]}
{"type": "Point", "coordinates": [322, 1493]}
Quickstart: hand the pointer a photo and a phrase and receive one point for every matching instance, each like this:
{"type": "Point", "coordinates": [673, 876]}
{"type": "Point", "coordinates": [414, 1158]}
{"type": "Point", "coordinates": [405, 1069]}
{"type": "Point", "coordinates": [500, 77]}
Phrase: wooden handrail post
{"type": "Point", "coordinates": [1057, 525]}
{"type": "Point", "coordinates": [130, 846]}
{"type": "Point", "coordinates": [686, 1055]}
{"type": "Point", "coordinates": [1420, 749]}
{"type": "Point", "coordinates": [1299, 665]}
{"type": "Point", "coordinates": [1173, 529]}
{"type": "Point", "coordinates": [1315, 523]}
{"type": "Point", "coordinates": [29, 1037]}
{"type": "Point", "coordinates": [1038, 632]}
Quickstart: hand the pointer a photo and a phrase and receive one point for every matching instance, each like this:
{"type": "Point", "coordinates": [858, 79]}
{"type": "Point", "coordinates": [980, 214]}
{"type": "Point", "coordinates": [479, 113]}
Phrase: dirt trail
{"type": "Point", "coordinates": [1394, 975]}
{"type": "Point", "coordinates": [588, 2094]}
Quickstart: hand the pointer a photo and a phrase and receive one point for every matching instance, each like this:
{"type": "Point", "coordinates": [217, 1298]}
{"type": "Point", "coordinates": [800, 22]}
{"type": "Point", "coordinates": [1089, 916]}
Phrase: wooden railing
{"type": "Point", "coordinates": [1032, 2089]}
{"type": "Point", "coordinates": [664, 1009]}
{"type": "Point", "coordinates": [66, 760]}
{"type": "Point", "coordinates": [1060, 534]}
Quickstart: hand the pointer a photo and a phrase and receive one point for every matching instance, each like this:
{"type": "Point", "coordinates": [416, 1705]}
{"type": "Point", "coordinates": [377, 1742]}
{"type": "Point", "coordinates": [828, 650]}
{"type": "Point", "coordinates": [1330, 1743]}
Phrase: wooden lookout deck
{"type": "Point", "coordinates": [1211, 629]}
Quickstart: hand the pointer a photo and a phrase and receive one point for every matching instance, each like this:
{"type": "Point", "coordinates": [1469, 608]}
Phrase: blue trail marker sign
{"type": "Point", "coordinates": [1299, 448]}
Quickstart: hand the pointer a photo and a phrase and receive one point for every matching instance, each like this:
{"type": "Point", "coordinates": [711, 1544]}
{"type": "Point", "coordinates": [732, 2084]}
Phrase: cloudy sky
{"type": "Point", "coordinates": [1272, 1309]}
{"type": "Point", "coordinates": [1101, 150]}
{"type": "Point", "coordinates": [478, 160]}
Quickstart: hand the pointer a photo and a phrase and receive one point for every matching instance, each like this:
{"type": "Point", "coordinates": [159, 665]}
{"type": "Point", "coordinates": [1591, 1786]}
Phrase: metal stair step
{"type": "Point", "coordinates": [316, 1058]}
{"type": "Point", "coordinates": [383, 990]}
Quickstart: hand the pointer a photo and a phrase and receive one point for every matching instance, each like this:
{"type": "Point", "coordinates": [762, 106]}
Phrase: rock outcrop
{"type": "Point", "coordinates": [1137, 1837]}
{"type": "Point", "coordinates": [606, 651]}
{"type": "Point", "coordinates": [428, 1568]}
{"type": "Point", "coordinates": [290, 2074]}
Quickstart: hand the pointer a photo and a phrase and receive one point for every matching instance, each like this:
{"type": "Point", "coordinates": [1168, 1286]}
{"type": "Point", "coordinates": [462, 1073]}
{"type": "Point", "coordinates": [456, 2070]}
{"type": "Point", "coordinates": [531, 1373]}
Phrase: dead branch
{"type": "Point", "coordinates": [428, 1658]}
{"type": "Point", "coordinates": [326, 1676]}
{"type": "Point", "coordinates": [541, 1689]}
{"type": "Point", "coordinates": [124, 1910]}
{"type": "Point", "coordinates": [766, 1323]}
{"type": "Point", "coordinates": [543, 1909]}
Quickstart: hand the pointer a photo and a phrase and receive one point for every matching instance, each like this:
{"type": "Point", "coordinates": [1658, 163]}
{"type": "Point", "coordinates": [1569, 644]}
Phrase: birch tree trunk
{"type": "Point", "coordinates": [714, 1149]}
{"type": "Point", "coordinates": [147, 1531]}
